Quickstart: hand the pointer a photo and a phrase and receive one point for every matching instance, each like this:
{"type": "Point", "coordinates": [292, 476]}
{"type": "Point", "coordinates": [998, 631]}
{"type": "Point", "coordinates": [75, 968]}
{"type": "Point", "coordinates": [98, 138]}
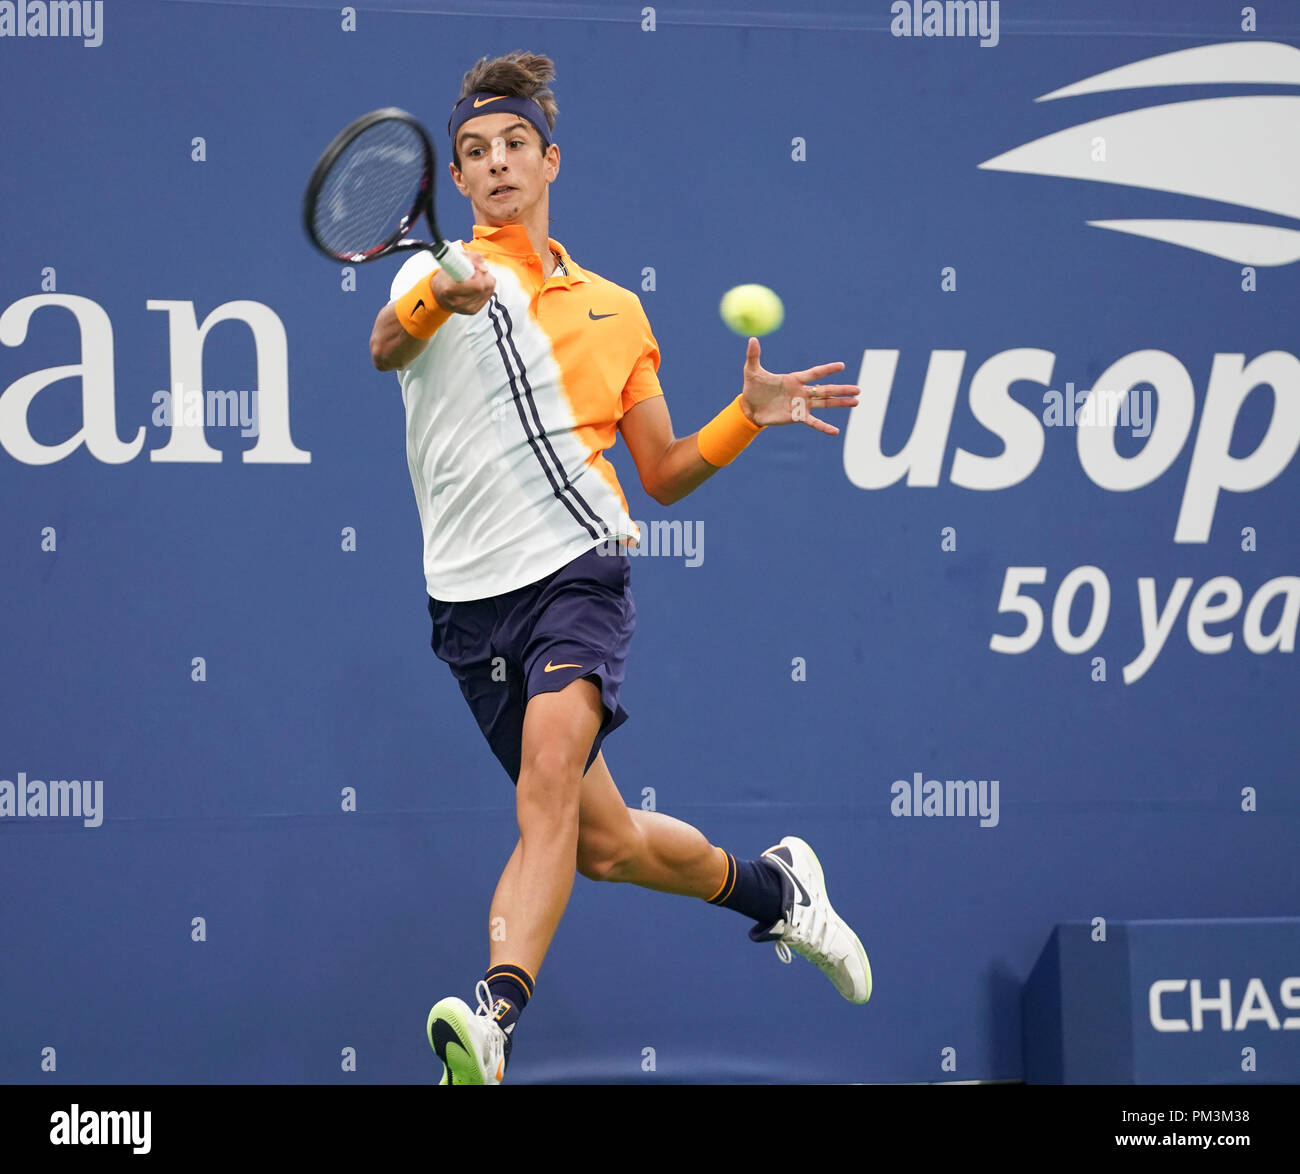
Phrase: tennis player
{"type": "Point", "coordinates": [515, 381]}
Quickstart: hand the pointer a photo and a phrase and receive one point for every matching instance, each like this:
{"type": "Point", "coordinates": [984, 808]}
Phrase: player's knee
{"type": "Point", "coordinates": [546, 816]}
{"type": "Point", "coordinates": [547, 802]}
{"type": "Point", "coordinates": [597, 865]}
{"type": "Point", "coordinates": [612, 858]}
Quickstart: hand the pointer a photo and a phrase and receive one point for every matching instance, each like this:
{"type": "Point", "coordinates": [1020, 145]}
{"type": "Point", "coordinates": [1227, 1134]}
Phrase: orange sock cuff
{"type": "Point", "coordinates": [419, 311]}
{"type": "Point", "coordinates": [725, 437]}
{"type": "Point", "coordinates": [514, 973]}
{"type": "Point", "coordinates": [728, 881]}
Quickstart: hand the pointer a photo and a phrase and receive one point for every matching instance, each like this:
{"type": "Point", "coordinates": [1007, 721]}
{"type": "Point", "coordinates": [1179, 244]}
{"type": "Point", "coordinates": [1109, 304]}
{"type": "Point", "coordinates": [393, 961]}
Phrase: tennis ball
{"type": "Point", "coordinates": [752, 309]}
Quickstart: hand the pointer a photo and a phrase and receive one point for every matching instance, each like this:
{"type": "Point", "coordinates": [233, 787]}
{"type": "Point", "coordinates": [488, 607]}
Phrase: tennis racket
{"type": "Point", "coordinates": [370, 187]}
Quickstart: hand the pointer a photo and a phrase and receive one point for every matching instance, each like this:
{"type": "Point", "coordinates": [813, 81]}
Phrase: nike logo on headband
{"type": "Point", "coordinates": [484, 101]}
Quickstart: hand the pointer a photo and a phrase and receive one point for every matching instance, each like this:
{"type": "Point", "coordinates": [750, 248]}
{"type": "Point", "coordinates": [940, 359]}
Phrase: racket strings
{"type": "Point", "coordinates": [370, 192]}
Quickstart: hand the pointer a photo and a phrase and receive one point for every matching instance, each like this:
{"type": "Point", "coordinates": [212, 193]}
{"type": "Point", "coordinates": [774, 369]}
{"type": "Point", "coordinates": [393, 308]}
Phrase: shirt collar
{"type": "Point", "coordinates": [512, 240]}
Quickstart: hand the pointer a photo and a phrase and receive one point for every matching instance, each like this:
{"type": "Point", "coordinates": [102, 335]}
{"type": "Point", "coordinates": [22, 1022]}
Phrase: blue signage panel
{"type": "Point", "coordinates": [1166, 1002]}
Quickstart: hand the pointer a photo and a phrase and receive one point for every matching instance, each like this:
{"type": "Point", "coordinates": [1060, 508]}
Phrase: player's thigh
{"type": "Point", "coordinates": [559, 728]}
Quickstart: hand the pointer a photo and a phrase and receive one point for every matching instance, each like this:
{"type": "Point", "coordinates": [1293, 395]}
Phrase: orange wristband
{"type": "Point", "coordinates": [419, 311]}
{"type": "Point", "coordinates": [724, 437]}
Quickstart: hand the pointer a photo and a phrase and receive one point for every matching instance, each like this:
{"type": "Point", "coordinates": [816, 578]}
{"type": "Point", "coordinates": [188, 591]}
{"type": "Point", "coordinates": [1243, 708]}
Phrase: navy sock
{"type": "Point", "coordinates": [511, 987]}
{"type": "Point", "coordinates": [753, 888]}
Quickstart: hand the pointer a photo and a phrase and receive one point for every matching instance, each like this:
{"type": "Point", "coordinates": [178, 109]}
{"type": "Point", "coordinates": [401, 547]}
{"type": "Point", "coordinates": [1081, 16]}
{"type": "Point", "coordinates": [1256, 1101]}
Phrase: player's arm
{"type": "Point", "coordinates": [669, 468]}
{"type": "Point", "coordinates": [391, 348]}
{"type": "Point", "coordinates": [672, 468]}
{"type": "Point", "coordinates": [403, 327]}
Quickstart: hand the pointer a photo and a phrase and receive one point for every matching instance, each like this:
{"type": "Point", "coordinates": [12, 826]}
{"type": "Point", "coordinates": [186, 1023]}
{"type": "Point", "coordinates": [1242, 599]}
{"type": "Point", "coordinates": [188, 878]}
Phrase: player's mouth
{"type": "Point", "coordinates": [500, 192]}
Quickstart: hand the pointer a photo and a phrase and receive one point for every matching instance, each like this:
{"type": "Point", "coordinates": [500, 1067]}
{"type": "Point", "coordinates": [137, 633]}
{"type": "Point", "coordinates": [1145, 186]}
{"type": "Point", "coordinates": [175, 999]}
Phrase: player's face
{"type": "Point", "coordinates": [503, 169]}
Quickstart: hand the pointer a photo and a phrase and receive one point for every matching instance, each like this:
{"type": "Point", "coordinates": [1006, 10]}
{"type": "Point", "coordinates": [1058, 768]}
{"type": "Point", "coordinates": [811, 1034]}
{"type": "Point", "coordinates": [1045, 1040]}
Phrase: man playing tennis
{"type": "Point", "coordinates": [514, 382]}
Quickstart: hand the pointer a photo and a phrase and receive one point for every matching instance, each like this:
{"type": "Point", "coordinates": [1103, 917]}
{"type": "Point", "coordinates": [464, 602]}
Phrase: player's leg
{"type": "Point", "coordinates": [557, 733]}
{"type": "Point", "coordinates": [783, 890]}
{"type": "Point", "coordinates": [655, 851]}
{"type": "Point", "coordinates": [646, 848]}
{"type": "Point", "coordinates": [534, 888]}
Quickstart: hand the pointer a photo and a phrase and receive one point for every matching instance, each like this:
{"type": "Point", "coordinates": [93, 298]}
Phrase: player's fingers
{"type": "Point", "coordinates": [818, 372]}
{"type": "Point", "coordinates": [821, 425]}
{"type": "Point", "coordinates": [751, 356]}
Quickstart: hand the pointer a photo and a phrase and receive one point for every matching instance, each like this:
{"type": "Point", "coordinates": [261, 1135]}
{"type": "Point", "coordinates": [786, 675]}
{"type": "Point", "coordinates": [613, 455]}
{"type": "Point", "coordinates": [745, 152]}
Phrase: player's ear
{"type": "Point", "coordinates": [552, 161]}
{"type": "Point", "coordinates": [457, 180]}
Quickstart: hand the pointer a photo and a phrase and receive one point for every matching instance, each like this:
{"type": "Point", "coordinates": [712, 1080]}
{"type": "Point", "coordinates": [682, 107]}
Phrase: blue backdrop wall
{"type": "Point", "coordinates": [220, 628]}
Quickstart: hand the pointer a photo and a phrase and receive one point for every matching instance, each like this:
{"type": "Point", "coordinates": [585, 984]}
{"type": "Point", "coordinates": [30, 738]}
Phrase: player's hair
{"type": "Point", "coordinates": [516, 75]}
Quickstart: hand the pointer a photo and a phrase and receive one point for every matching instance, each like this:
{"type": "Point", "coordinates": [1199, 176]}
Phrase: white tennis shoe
{"type": "Point", "coordinates": [471, 1045]}
{"type": "Point", "coordinates": [810, 927]}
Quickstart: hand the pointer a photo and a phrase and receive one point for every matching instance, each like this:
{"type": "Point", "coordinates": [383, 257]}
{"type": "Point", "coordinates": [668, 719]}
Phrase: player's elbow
{"type": "Point", "coordinates": [383, 354]}
{"type": "Point", "coordinates": [386, 341]}
{"type": "Point", "coordinates": [656, 480]}
{"type": "Point", "coordinates": [380, 350]}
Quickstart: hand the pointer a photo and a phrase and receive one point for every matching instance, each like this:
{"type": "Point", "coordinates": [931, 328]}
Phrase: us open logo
{"type": "Point", "coordinates": [1240, 150]}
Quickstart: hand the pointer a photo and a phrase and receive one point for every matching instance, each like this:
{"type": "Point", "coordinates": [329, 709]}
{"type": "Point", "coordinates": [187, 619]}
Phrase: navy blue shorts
{"type": "Point", "coordinates": [575, 622]}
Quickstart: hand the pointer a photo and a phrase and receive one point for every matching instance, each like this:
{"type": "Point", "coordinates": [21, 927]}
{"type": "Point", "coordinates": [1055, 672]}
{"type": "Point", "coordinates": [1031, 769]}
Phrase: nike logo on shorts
{"type": "Point", "coordinates": [550, 668]}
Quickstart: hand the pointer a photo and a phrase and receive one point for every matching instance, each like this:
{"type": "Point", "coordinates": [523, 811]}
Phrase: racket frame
{"type": "Point", "coordinates": [457, 266]}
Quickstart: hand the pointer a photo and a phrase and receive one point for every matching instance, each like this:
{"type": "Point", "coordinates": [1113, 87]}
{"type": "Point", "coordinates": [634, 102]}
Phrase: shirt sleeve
{"type": "Point", "coordinates": [643, 382]}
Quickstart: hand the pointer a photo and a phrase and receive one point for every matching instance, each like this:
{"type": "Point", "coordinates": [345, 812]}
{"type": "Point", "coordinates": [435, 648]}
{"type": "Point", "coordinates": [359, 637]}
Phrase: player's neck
{"type": "Point", "coordinates": [536, 223]}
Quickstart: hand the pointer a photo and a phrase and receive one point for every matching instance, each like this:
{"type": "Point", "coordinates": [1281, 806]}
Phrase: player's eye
{"type": "Point", "coordinates": [516, 142]}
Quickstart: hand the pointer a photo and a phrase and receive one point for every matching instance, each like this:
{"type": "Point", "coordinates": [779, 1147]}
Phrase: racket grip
{"type": "Point", "coordinates": [454, 263]}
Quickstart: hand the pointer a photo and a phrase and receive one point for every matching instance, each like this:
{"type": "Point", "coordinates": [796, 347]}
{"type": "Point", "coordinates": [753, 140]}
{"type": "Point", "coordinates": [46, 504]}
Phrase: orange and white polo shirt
{"type": "Point", "coordinates": [508, 413]}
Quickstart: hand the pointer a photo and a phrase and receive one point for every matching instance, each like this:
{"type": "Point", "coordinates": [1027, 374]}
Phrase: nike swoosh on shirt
{"type": "Point", "coordinates": [597, 317]}
{"type": "Point", "coordinates": [550, 668]}
{"type": "Point", "coordinates": [484, 101]}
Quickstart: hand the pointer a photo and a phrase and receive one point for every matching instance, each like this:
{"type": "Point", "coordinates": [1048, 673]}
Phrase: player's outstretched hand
{"type": "Point", "coordinates": [465, 297]}
{"type": "Point", "coordinates": [787, 399]}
